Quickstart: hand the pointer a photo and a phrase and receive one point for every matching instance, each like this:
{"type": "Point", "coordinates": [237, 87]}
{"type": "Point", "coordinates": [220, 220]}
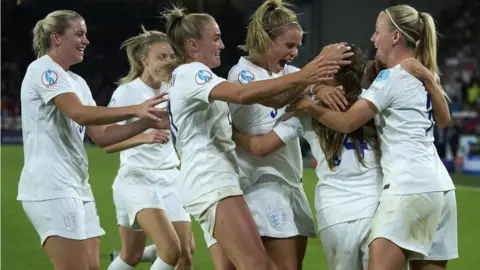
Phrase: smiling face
{"type": "Point", "coordinates": [208, 48]}
{"type": "Point", "coordinates": [284, 48]}
{"type": "Point", "coordinates": [384, 39]}
{"type": "Point", "coordinates": [73, 41]}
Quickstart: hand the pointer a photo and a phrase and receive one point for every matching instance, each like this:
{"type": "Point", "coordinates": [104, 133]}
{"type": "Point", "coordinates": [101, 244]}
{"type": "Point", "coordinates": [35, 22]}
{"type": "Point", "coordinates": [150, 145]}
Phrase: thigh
{"type": "Point", "coordinates": [220, 260]}
{"type": "Point", "coordinates": [282, 251]}
{"type": "Point", "coordinates": [236, 233]}
{"type": "Point", "coordinates": [67, 254]}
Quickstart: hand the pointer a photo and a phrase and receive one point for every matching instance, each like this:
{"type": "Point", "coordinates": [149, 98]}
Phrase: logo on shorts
{"type": "Point", "coordinates": [49, 78]}
{"type": "Point", "coordinates": [203, 76]}
{"type": "Point", "coordinates": [154, 196]}
{"type": "Point", "coordinates": [276, 218]}
{"type": "Point", "coordinates": [245, 76]}
{"type": "Point", "coordinates": [70, 220]}
{"type": "Point", "coordinates": [383, 75]}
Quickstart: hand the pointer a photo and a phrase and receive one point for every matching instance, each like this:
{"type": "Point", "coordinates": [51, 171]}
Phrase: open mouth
{"type": "Point", "coordinates": [282, 63]}
{"type": "Point", "coordinates": [81, 49]}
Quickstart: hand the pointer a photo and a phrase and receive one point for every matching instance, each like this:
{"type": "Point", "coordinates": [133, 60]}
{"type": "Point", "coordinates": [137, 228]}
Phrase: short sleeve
{"type": "Point", "coordinates": [124, 96]}
{"type": "Point", "coordinates": [196, 80]}
{"type": "Point", "coordinates": [51, 81]}
{"type": "Point", "coordinates": [288, 130]}
{"type": "Point", "coordinates": [383, 90]}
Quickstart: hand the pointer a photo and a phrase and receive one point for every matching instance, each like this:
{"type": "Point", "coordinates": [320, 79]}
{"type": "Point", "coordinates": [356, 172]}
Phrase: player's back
{"type": "Point", "coordinates": [257, 119]}
{"type": "Point", "coordinates": [405, 126]}
{"type": "Point", "coordinates": [149, 156]}
{"type": "Point", "coordinates": [56, 163]}
{"type": "Point", "coordinates": [349, 191]}
{"type": "Point", "coordinates": [201, 128]}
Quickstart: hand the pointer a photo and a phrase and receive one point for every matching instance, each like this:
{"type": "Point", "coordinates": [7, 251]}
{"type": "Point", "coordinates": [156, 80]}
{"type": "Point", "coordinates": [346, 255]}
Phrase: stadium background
{"type": "Point", "coordinates": [110, 22]}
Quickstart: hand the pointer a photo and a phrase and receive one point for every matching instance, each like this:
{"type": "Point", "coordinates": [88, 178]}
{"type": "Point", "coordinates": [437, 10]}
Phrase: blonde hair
{"type": "Point", "coordinates": [179, 28]}
{"type": "Point", "coordinates": [138, 47]}
{"type": "Point", "coordinates": [418, 29]}
{"type": "Point", "coordinates": [55, 22]}
{"type": "Point", "coordinates": [266, 24]}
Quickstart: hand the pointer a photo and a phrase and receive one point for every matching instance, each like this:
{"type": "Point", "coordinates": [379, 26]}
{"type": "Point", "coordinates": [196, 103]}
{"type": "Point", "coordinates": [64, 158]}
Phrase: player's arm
{"type": "Point", "coordinates": [441, 111]}
{"type": "Point", "coordinates": [345, 122]}
{"type": "Point", "coordinates": [261, 146]}
{"type": "Point", "coordinates": [107, 135]}
{"type": "Point", "coordinates": [281, 100]}
{"type": "Point", "coordinates": [70, 104]}
{"type": "Point", "coordinates": [264, 145]}
{"type": "Point", "coordinates": [156, 136]}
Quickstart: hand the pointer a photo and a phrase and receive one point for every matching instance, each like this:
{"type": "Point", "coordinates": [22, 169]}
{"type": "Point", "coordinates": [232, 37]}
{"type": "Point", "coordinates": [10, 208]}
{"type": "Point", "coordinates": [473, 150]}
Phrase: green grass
{"type": "Point", "coordinates": [21, 245]}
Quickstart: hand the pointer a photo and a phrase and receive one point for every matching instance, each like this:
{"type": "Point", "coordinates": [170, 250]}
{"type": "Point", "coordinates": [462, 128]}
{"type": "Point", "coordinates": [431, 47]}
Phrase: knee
{"type": "Point", "coordinates": [132, 257]}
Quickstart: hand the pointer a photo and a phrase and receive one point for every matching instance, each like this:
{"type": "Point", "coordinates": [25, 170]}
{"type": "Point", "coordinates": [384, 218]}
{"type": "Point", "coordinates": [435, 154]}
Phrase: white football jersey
{"type": "Point", "coordinates": [148, 156]}
{"type": "Point", "coordinates": [56, 164]}
{"type": "Point", "coordinates": [257, 119]}
{"type": "Point", "coordinates": [349, 192]}
{"type": "Point", "coordinates": [201, 131]}
{"type": "Point", "coordinates": [405, 126]}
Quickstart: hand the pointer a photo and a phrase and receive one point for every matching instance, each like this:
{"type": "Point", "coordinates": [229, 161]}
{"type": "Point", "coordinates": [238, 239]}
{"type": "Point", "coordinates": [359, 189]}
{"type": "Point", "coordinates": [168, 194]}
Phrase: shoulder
{"type": "Point", "coordinates": [190, 73]}
{"type": "Point", "coordinates": [242, 74]}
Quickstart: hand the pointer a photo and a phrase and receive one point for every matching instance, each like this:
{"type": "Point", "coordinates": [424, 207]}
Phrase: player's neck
{"type": "Point", "coordinates": [398, 55]}
{"type": "Point", "coordinates": [262, 62]}
{"type": "Point", "coordinates": [59, 59]}
{"type": "Point", "coordinates": [148, 80]}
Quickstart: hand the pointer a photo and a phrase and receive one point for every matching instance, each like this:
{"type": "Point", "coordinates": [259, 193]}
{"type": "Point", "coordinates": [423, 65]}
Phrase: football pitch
{"type": "Point", "coordinates": [20, 245]}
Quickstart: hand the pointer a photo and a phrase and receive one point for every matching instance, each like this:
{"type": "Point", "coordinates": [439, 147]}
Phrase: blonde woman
{"type": "Point", "coordinates": [416, 218]}
{"type": "Point", "coordinates": [57, 111]}
{"type": "Point", "coordinates": [145, 190]}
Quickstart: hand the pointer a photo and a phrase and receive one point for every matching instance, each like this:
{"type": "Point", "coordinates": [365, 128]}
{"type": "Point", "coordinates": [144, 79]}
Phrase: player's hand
{"type": "Point", "coordinates": [147, 109]}
{"type": "Point", "coordinates": [317, 71]}
{"type": "Point", "coordinates": [372, 68]}
{"type": "Point", "coordinates": [419, 71]}
{"type": "Point", "coordinates": [299, 107]}
{"type": "Point", "coordinates": [337, 52]}
{"type": "Point", "coordinates": [157, 136]}
{"type": "Point", "coordinates": [164, 123]}
{"type": "Point", "coordinates": [333, 97]}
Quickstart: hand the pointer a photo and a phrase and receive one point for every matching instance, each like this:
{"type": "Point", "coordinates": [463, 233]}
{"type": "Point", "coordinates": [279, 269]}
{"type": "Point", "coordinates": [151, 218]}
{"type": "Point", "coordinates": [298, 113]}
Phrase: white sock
{"type": "Point", "coordinates": [161, 265]}
{"type": "Point", "coordinates": [149, 254]}
{"type": "Point", "coordinates": [119, 264]}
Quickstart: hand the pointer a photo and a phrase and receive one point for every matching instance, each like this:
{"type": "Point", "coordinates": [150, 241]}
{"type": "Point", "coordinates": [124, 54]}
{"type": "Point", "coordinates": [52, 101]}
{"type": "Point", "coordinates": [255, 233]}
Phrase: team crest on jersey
{"type": "Point", "coordinates": [49, 78]}
{"type": "Point", "coordinates": [203, 76]}
{"type": "Point", "coordinates": [383, 75]}
{"type": "Point", "coordinates": [245, 76]}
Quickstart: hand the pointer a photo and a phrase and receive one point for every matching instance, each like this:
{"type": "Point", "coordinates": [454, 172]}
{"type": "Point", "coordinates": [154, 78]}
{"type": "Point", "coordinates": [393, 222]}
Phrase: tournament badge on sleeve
{"type": "Point", "coordinates": [49, 78]}
{"type": "Point", "coordinates": [245, 76]}
{"type": "Point", "coordinates": [203, 76]}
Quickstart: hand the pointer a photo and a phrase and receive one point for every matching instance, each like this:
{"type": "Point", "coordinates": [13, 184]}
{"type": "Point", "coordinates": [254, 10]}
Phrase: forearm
{"type": "Point", "coordinates": [127, 144]}
{"type": "Point", "coordinates": [439, 104]}
{"type": "Point", "coordinates": [338, 121]}
{"type": "Point", "coordinates": [281, 100]}
{"type": "Point", "coordinates": [98, 115]}
{"type": "Point", "coordinates": [117, 133]}
{"type": "Point", "coordinates": [259, 91]}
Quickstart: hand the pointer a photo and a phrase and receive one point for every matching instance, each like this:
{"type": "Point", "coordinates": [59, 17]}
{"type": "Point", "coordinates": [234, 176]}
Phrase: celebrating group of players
{"type": "Point", "coordinates": [384, 199]}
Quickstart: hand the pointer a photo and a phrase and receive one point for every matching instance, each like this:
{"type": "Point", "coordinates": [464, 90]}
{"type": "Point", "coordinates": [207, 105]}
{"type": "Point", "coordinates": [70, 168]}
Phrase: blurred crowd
{"type": "Point", "coordinates": [459, 56]}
